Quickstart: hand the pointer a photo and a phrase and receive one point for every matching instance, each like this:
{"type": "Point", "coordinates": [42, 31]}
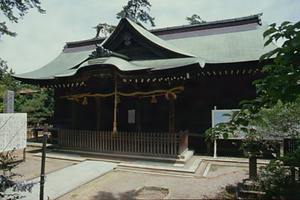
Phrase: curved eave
{"type": "Point", "coordinates": [124, 66]}
{"type": "Point", "coordinates": [62, 63]}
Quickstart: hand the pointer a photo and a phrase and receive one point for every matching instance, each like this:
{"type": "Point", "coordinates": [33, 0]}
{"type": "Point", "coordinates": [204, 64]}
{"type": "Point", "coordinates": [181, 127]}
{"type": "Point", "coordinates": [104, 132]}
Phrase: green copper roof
{"type": "Point", "coordinates": [73, 59]}
{"type": "Point", "coordinates": [152, 38]}
{"type": "Point", "coordinates": [125, 66]}
{"type": "Point", "coordinates": [227, 47]}
{"type": "Point", "coordinates": [224, 44]}
{"type": "Point", "coordinates": [60, 64]}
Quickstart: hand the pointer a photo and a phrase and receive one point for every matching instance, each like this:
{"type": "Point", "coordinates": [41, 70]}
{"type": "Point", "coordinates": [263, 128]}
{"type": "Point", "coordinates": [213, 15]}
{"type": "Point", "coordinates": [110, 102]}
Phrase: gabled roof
{"type": "Point", "coordinates": [128, 30]}
{"type": "Point", "coordinates": [226, 41]}
{"type": "Point", "coordinates": [77, 56]}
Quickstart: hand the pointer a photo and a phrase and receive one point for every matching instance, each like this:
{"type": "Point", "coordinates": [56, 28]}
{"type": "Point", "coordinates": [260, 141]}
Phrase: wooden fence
{"type": "Point", "coordinates": [124, 142]}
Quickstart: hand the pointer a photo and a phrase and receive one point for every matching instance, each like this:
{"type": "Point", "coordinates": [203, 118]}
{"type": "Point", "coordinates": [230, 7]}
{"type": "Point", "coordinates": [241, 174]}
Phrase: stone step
{"type": "Point", "coordinates": [156, 171]}
{"type": "Point", "coordinates": [174, 169]}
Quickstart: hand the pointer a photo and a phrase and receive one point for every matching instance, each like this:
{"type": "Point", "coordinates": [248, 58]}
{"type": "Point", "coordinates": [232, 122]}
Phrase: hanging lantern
{"type": "Point", "coordinates": [153, 99]}
{"type": "Point", "coordinates": [85, 101]}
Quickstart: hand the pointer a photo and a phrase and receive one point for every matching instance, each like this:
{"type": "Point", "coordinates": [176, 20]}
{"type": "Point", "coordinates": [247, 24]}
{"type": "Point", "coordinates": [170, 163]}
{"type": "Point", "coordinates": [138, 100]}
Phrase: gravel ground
{"type": "Point", "coordinates": [122, 185]}
{"type": "Point", "coordinates": [31, 168]}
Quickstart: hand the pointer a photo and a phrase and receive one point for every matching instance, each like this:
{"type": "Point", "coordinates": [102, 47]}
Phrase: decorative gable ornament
{"type": "Point", "coordinates": [100, 52]}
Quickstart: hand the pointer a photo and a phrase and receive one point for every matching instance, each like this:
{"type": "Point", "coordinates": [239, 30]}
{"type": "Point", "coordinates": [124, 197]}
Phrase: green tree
{"type": "Point", "coordinates": [194, 19]}
{"type": "Point", "coordinates": [278, 92]}
{"type": "Point", "coordinates": [7, 164]}
{"type": "Point", "coordinates": [7, 82]}
{"type": "Point", "coordinates": [105, 29]}
{"type": "Point", "coordinates": [136, 10]}
{"type": "Point", "coordinates": [281, 81]}
{"type": "Point", "coordinates": [10, 7]}
{"type": "Point", "coordinates": [281, 121]}
{"type": "Point", "coordinates": [39, 106]}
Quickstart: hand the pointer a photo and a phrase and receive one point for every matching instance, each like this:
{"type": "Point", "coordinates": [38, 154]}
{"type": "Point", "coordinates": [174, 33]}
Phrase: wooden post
{"type": "Point", "coordinates": [98, 100]}
{"type": "Point", "coordinates": [36, 134]}
{"type": "Point", "coordinates": [171, 114]}
{"type": "Point", "coordinates": [74, 115]}
{"type": "Point", "coordinates": [42, 180]}
{"type": "Point", "coordinates": [24, 154]}
{"type": "Point", "coordinates": [208, 147]}
{"type": "Point", "coordinates": [138, 115]}
{"type": "Point", "coordinates": [115, 108]}
{"type": "Point", "coordinates": [252, 166]}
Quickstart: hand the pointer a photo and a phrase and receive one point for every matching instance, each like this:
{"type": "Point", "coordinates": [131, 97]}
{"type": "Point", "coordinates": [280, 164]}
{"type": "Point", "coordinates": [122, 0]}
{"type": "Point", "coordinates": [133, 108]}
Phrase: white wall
{"type": "Point", "coordinates": [13, 131]}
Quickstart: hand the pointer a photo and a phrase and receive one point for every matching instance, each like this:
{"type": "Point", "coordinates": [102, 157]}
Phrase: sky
{"type": "Point", "coordinates": [41, 37]}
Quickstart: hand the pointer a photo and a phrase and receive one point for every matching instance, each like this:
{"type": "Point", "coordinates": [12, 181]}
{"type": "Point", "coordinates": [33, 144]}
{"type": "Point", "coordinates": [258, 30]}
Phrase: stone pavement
{"type": "Point", "coordinates": [80, 176]}
{"type": "Point", "coordinates": [67, 179]}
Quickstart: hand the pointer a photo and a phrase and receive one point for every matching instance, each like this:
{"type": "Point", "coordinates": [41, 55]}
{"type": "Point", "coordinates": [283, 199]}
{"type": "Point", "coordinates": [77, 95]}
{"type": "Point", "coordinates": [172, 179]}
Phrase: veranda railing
{"type": "Point", "coordinates": [125, 142]}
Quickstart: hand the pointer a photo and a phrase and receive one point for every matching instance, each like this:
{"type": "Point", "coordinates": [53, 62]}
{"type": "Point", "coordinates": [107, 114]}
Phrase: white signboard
{"type": "Point", "coordinates": [218, 116]}
{"type": "Point", "coordinates": [131, 116]}
{"type": "Point", "coordinates": [13, 129]}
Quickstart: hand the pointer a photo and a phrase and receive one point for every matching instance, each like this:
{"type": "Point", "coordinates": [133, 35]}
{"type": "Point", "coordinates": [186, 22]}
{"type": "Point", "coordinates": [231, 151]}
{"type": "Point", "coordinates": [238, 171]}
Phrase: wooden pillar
{"type": "Point", "coordinates": [115, 108]}
{"type": "Point", "coordinates": [252, 167]}
{"type": "Point", "coordinates": [74, 115]}
{"type": "Point", "coordinates": [208, 147]}
{"type": "Point", "coordinates": [171, 114]}
{"type": "Point", "coordinates": [98, 112]}
{"type": "Point", "coordinates": [138, 116]}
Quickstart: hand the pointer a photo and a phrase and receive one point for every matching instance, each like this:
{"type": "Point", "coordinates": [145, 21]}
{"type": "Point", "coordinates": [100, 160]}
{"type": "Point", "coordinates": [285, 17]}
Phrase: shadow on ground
{"type": "Point", "coordinates": [110, 196]}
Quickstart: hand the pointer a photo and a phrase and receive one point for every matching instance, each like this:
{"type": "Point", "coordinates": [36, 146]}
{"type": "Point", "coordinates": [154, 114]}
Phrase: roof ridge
{"type": "Point", "coordinates": [223, 21]}
{"type": "Point", "coordinates": [94, 40]}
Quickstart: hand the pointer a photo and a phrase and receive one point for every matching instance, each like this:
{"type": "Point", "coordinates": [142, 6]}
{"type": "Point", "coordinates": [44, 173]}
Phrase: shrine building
{"type": "Point", "coordinates": [145, 92]}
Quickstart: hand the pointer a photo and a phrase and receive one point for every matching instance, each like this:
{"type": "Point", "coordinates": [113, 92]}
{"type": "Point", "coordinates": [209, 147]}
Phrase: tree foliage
{"type": "Point", "coordinates": [6, 81]}
{"type": "Point", "coordinates": [194, 19]}
{"type": "Point", "coordinates": [10, 7]}
{"type": "Point", "coordinates": [281, 121]}
{"type": "Point", "coordinates": [105, 29]}
{"type": "Point", "coordinates": [137, 11]}
{"type": "Point", "coordinates": [274, 111]}
{"type": "Point", "coordinates": [281, 83]}
{"type": "Point", "coordinates": [7, 164]}
{"type": "Point", "coordinates": [38, 106]}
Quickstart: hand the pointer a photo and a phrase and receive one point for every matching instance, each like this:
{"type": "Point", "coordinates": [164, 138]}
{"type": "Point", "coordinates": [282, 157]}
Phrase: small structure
{"type": "Point", "coordinates": [13, 129]}
{"type": "Point", "coordinates": [136, 90]}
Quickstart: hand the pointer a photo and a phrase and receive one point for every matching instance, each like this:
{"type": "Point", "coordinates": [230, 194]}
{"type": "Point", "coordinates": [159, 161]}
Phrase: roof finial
{"type": "Point", "coordinates": [99, 27]}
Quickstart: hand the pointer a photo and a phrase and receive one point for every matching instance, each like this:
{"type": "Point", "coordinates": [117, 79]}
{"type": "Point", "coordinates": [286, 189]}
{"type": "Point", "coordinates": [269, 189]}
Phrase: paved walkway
{"type": "Point", "coordinates": [65, 180]}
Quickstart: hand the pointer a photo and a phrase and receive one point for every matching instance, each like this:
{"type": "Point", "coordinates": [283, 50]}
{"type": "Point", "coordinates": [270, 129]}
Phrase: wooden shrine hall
{"type": "Point", "coordinates": [144, 91]}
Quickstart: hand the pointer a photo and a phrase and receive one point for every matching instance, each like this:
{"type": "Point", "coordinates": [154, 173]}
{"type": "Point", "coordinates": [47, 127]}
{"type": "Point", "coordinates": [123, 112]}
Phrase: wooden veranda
{"type": "Point", "coordinates": [156, 144]}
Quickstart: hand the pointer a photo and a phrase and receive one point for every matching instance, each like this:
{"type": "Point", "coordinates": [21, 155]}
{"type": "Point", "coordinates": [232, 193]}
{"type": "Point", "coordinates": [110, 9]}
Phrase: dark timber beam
{"type": "Point", "coordinates": [98, 112]}
{"type": "Point", "coordinates": [171, 114]}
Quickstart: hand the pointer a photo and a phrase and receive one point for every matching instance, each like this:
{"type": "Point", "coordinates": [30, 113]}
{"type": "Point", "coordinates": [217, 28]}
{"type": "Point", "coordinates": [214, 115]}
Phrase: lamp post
{"type": "Point", "coordinates": [42, 180]}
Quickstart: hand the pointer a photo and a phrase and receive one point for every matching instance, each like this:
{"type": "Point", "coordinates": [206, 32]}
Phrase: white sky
{"type": "Point", "coordinates": [41, 37]}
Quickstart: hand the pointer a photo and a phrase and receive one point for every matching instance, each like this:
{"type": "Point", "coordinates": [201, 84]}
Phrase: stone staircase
{"type": "Point", "coordinates": [172, 169]}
